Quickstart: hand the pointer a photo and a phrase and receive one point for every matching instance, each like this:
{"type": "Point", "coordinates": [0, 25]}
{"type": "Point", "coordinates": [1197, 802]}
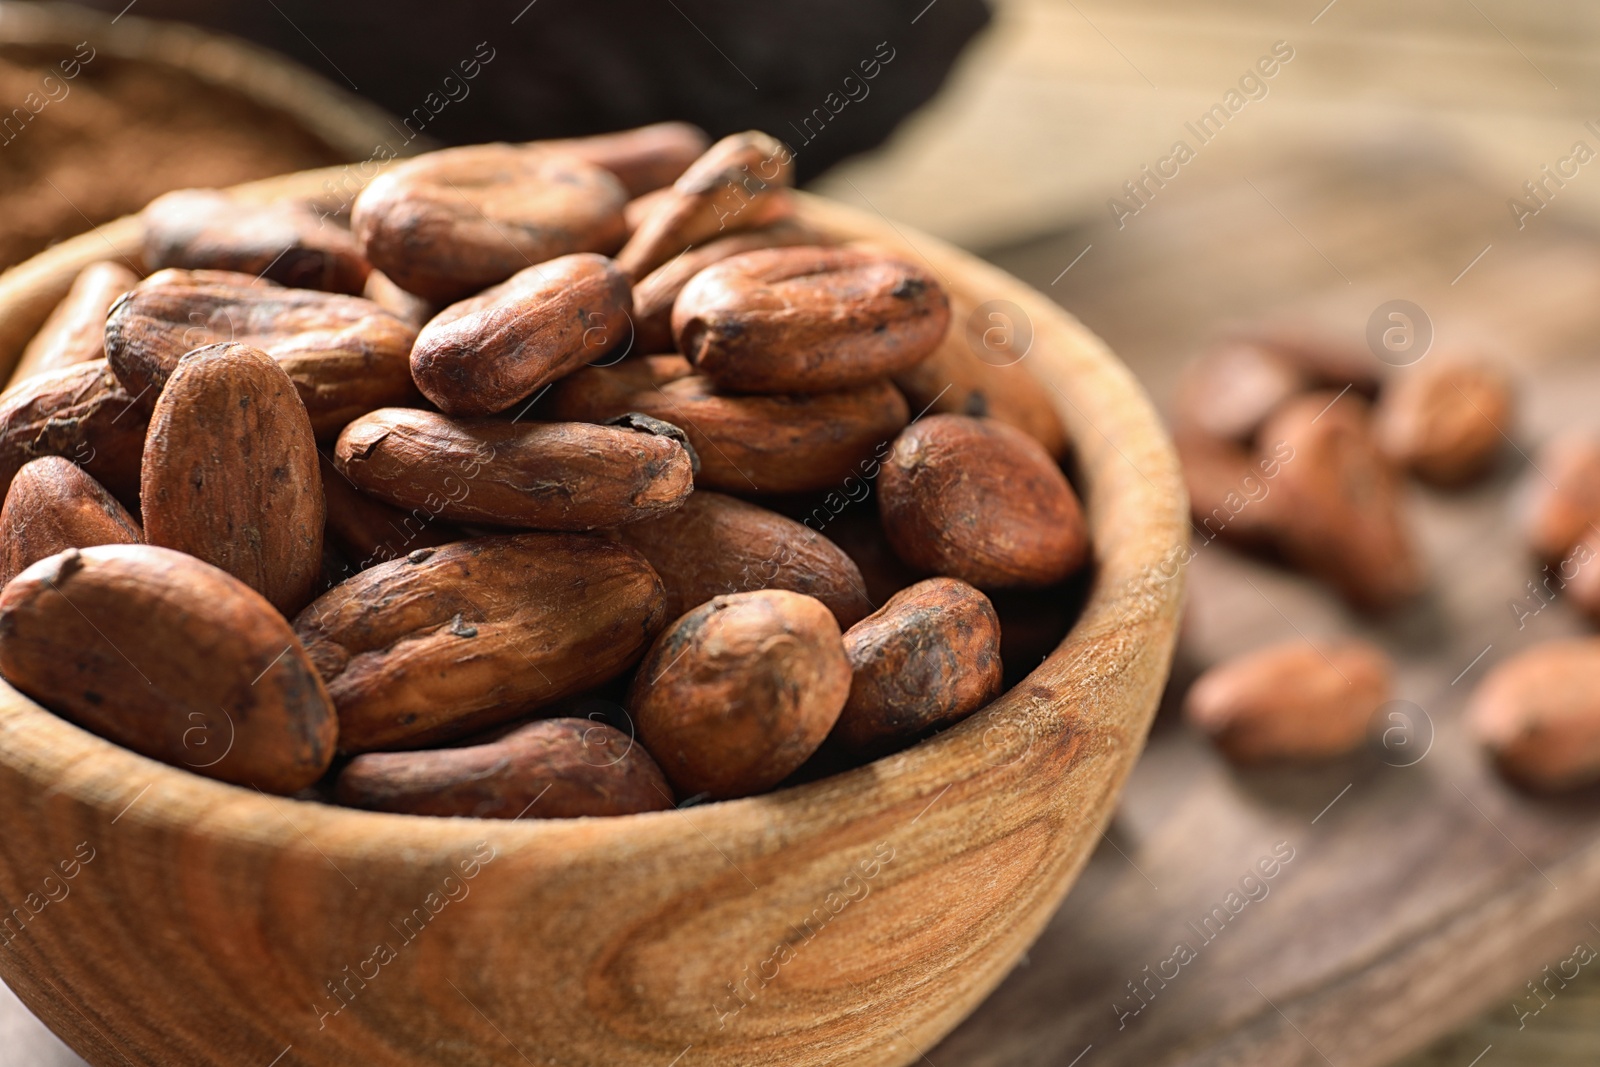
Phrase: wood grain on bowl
{"type": "Point", "coordinates": [854, 920]}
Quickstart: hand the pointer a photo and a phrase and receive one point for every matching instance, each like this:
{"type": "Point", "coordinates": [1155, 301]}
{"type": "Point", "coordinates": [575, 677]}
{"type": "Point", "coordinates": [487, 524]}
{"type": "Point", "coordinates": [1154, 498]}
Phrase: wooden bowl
{"type": "Point", "coordinates": [163, 918]}
{"type": "Point", "coordinates": [280, 117]}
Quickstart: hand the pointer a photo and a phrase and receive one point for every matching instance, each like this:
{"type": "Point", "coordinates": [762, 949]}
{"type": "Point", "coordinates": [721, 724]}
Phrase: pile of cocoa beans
{"type": "Point", "coordinates": [1297, 449]}
{"type": "Point", "coordinates": [370, 507]}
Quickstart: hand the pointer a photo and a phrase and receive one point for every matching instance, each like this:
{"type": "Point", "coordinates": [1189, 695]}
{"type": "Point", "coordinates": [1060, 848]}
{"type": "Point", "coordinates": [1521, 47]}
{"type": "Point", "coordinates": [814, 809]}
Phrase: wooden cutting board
{"type": "Point", "coordinates": [1421, 890]}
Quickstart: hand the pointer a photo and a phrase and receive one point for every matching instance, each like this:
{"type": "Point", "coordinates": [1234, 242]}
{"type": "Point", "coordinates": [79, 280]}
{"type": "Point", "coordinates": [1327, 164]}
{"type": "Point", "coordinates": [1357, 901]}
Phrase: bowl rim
{"type": "Point", "coordinates": [1139, 530]}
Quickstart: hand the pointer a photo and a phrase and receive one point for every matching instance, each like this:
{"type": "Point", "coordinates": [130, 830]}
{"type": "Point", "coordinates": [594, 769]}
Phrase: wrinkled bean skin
{"type": "Point", "coordinates": [925, 660]}
{"type": "Point", "coordinates": [230, 473]}
{"type": "Point", "coordinates": [808, 319]}
{"type": "Point", "coordinates": [81, 413]}
{"type": "Point", "coordinates": [345, 355]}
{"type": "Point", "coordinates": [285, 242]}
{"type": "Point", "coordinates": [657, 291]}
{"type": "Point", "coordinates": [746, 444]}
{"type": "Point", "coordinates": [740, 183]}
{"type": "Point", "coordinates": [570, 476]}
{"type": "Point", "coordinates": [53, 505]}
{"type": "Point", "coordinates": [452, 640]}
{"type": "Point", "coordinates": [549, 769]}
{"type": "Point", "coordinates": [172, 658]}
{"type": "Point", "coordinates": [737, 694]}
{"type": "Point", "coordinates": [484, 354]}
{"type": "Point", "coordinates": [979, 500]}
{"type": "Point", "coordinates": [715, 544]}
{"type": "Point", "coordinates": [450, 223]}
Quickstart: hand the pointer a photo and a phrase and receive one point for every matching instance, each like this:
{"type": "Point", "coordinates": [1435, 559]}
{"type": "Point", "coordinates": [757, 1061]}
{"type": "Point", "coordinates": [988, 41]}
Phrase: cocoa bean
{"type": "Point", "coordinates": [285, 241]}
{"type": "Point", "coordinates": [182, 276]}
{"type": "Point", "coordinates": [1293, 701]}
{"type": "Point", "coordinates": [740, 183]}
{"type": "Point", "coordinates": [172, 658]}
{"type": "Point", "coordinates": [81, 413]}
{"type": "Point", "coordinates": [808, 319]}
{"type": "Point", "coordinates": [551, 769]}
{"type": "Point", "coordinates": [550, 476]}
{"type": "Point", "coordinates": [1538, 715]}
{"type": "Point", "coordinates": [75, 332]}
{"type": "Point", "coordinates": [715, 545]}
{"type": "Point", "coordinates": [1230, 390]}
{"type": "Point", "coordinates": [52, 506]}
{"type": "Point", "coordinates": [1445, 421]}
{"type": "Point", "coordinates": [346, 355]}
{"type": "Point", "coordinates": [596, 394]}
{"type": "Point", "coordinates": [1327, 362]}
{"type": "Point", "coordinates": [368, 531]}
{"type": "Point", "coordinates": [484, 354]}
{"type": "Point", "coordinates": [455, 639]}
{"type": "Point", "coordinates": [1563, 500]}
{"type": "Point", "coordinates": [1340, 515]}
{"type": "Point", "coordinates": [978, 500]}
{"type": "Point", "coordinates": [737, 694]}
{"type": "Point", "coordinates": [642, 159]}
{"type": "Point", "coordinates": [447, 224]}
{"type": "Point", "coordinates": [643, 206]}
{"type": "Point", "coordinates": [925, 660]}
{"type": "Point", "coordinates": [974, 371]}
{"type": "Point", "coordinates": [1578, 576]}
{"type": "Point", "coordinates": [230, 473]}
{"type": "Point", "coordinates": [858, 532]}
{"type": "Point", "coordinates": [1231, 492]}
{"type": "Point", "coordinates": [655, 294]}
{"type": "Point", "coordinates": [411, 310]}
{"type": "Point", "coordinates": [746, 444]}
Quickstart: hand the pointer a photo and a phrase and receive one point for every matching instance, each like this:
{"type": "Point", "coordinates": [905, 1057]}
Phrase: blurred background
{"type": "Point", "coordinates": [1383, 158]}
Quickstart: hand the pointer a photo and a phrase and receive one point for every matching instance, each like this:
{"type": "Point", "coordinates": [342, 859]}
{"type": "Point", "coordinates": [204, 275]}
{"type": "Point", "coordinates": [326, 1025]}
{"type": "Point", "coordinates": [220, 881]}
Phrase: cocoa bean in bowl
{"type": "Point", "coordinates": [606, 651]}
{"type": "Point", "coordinates": [808, 320]}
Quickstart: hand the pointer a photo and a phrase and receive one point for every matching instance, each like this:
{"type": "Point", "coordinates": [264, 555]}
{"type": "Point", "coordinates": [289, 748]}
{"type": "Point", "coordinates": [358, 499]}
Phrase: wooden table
{"type": "Point", "coordinates": [1420, 895]}
{"type": "Point", "coordinates": [1449, 107]}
